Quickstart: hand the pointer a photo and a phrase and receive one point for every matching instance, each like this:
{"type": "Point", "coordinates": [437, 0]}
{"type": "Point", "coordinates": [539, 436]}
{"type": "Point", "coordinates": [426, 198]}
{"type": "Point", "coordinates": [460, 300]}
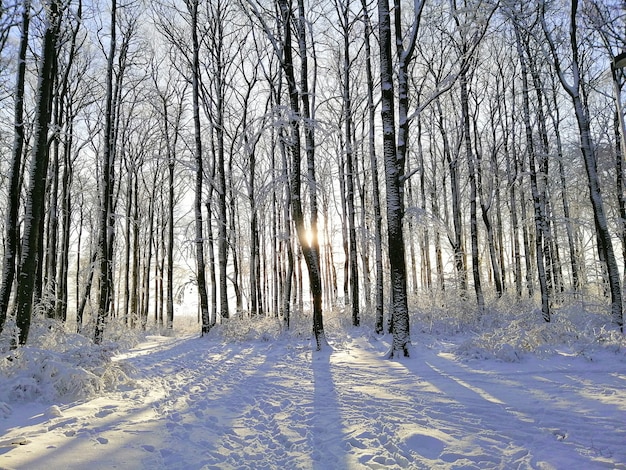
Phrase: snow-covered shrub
{"type": "Point", "coordinates": [31, 373]}
{"type": "Point", "coordinates": [508, 335]}
{"type": "Point", "coordinates": [249, 329]}
{"type": "Point", "coordinates": [509, 328]}
{"type": "Point", "coordinates": [57, 364]}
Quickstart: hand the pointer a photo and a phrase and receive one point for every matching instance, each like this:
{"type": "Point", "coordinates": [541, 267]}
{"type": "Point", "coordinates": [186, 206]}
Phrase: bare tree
{"type": "Point", "coordinates": [14, 176]}
{"type": "Point", "coordinates": [34, 207]}
{"type": "Point", "coordinates": [192, 8]}
{"type": "Point", "coordinates": [371, 141]}
{"type": "Point", "coordinates": [395, 158]}
{"type": "Point", "coordinates": [573, 87]}
{"type": "Point", "coordinates": [539, 204]}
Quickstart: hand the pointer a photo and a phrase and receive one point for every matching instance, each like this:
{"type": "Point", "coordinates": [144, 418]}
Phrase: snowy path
{"type": "Point", "coordinates": [256, 405]}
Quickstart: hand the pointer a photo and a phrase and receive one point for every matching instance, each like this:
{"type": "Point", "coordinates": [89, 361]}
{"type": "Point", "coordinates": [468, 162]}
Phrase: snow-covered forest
{"type": "Point", "coordinates": [436, 180]}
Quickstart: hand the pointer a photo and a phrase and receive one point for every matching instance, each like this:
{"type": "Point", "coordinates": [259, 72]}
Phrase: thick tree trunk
{"type": "Point", "coordinates": [395, 202]}
{"type": "Point", "coordinates": [14, 176]}
{"type": "Point", "coordinates": [34, 208]}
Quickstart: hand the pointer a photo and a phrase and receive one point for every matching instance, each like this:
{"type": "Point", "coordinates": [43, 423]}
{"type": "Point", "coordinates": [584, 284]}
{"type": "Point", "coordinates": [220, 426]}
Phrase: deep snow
{"type": "Point", "coordinates": [492, 399]}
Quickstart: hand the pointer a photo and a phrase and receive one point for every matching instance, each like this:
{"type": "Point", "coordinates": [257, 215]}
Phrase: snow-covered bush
{"type": "Point", "coordinates": [509, 330]}
{"type": "Point", "coordinates": [58, 364]}
{"type": "Point", "coordinates": [249, 329]}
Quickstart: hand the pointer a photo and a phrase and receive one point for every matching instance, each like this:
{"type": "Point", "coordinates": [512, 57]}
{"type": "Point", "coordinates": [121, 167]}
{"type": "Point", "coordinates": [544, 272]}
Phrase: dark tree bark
{"type": "Point", "coordinates": [371, 139]}
{"type": "Point", "coordinates": [69, 84]}
{"type": "Point", "coordinates": [34, 208]}
{"type": "Point", "coordinates": [15, 176]}
{"type": "Point", "coordinates": [192, 6]}
{"type": "Point", "coordinates": [538, 206]}
{"type": "Point", "coordinates": [310, 249]}
{"type": "Point", "coordinates": [395, 158]}
{"type": "Point", "coordinates": [573, 89]}
{"type": "Point", "coordinates": [463, 80]}
{"type": "Point", "coordinates": [106, 207]}
{"type": "Point", "coordinates": [350, 166]}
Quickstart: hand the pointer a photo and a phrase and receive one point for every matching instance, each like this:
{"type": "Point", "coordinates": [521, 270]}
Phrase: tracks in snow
{"type": "Point", "coordinates": [202, 405]}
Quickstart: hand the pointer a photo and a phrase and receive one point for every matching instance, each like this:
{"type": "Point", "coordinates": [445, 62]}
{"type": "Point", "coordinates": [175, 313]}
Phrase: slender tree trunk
{"type": "Point", "coordinates": [134, 271]}
{"type": "Point", "coordinates": [149, 240]}
{"type": "Point", "coordinates": [394, 154]}
{"type": "Point", "coordinates": [192, 6]}
{"type": "Point", "coordinates": [234, 229]}
{"type": "Point", "coordinates": [371, 140]}
{"type": "Point", "coordinates": [605, 245]}
{"type": "Point", "coordinates": [106, 215]}
{"type": "Point", "coordinates": [212, 259]}
{"type": "Point", "coordinates": [486, 203]}
{"type": "Point", "coordinates": [171, 203]}
{"type": "Point", "coordinates": [480, 300]}
{"type": "Point", "coordinates": [62, 273]}
{"type": "Point", "coordinates": [289, 273]}
{"type": "Point", "coordinates": [350, 176]}
{"type": "Point", "coordinates": [456, 240]}
{"type": "Point", "coordinates": [511, 166]}
{"type": "Point", "coordinates": [66, 219]}
{"type": "Point", "coordinates": [222, 221]}
{"type": "Point", "coordinates": [539, 215]}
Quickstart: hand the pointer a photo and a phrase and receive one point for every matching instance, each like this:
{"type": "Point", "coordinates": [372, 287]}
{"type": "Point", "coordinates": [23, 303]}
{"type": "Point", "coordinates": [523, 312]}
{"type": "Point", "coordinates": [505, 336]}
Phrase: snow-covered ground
{"type": "Point", "coordinates": [492, 399]}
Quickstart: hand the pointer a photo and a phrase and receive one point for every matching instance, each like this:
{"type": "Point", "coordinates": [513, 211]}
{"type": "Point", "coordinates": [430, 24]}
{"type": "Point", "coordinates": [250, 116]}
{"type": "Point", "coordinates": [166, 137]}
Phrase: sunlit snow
{"type": "Point", "coordinates": [516, 394]}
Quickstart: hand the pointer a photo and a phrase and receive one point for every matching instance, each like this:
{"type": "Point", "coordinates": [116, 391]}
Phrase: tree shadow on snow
{"type": "Point", "coordinates": [327, 438]}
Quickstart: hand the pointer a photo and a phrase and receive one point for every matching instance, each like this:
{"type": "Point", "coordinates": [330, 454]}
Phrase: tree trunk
{"type": "Point", "coordinates": [171, 203]}
{"type": "Point", "coordinates": [480, 300]}
{"type": "Point", "coordinates": [395, 203]}
{"type": "Point", "coordinates": [14, 176]}
{"type": "Point", "coordinates": [350, 176]}
{"type": "Point", "coordinates": [192, 6]}
{"type": "Point", "coordinates": [310, 250]}
{"type": "Point", "coordinates": [537, 203]}
{"type": "Point", "coordinates": [456, 240]}
{"type": "Point", "coordinates": [605, 245]}
{"type": "Point", "coordinates": [106, 215]}
{"type": "Point", "coordinates": [34, 208]}
{"type": "Point", "coordinates": [371, 139]}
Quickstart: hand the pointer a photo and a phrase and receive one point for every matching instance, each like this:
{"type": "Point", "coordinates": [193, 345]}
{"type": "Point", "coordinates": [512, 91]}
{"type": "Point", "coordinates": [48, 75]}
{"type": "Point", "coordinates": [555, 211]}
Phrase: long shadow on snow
{"type": "Point", "coordinates": [327, 435]}
{"type": "Point", "coordinates": [503, 410]}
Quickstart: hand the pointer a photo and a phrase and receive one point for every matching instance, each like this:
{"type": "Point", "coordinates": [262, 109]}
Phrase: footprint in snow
{"type": "Point", "coordinates": [107, 410]}
{"type": "Point", "coordinates": [427, 446]}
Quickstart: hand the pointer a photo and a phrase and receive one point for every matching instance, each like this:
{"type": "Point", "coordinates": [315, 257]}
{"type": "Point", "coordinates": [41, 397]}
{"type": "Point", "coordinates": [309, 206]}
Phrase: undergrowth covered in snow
{"type": "Point", "coordinates": [61, 365]}
{"type": "Point", "coordinates": [58, 364]}
{"type": "Point", "coordinates": [509, 330]}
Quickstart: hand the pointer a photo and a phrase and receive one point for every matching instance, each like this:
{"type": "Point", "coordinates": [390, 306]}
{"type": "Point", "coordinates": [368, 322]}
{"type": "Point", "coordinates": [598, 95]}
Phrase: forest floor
{"type": "Point", "coordinates": [273, 403]}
